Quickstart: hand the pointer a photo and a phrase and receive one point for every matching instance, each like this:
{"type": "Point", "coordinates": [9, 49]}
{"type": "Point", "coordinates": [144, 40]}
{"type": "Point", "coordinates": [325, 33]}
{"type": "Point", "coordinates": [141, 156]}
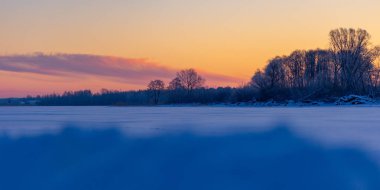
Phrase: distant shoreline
{"type": "Point", "coordinates": [242, 105]}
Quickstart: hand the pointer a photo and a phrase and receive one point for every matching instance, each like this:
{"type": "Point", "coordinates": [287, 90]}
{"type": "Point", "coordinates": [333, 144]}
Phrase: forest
{"type": "Point", "coordinates": [349, 66]}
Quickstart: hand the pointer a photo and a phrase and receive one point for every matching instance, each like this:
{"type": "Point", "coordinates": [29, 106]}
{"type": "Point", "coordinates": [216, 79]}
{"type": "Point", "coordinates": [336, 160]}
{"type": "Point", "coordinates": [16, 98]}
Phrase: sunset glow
{"type": "Point", "coordinates": [226, 40]}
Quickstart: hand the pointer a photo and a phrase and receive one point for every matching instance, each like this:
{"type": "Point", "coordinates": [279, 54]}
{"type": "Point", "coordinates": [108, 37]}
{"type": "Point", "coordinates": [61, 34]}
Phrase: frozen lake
{"type": "Point", "coordinates": [354, 126]}
{"type": "Point", "coordinates": [190, 148]}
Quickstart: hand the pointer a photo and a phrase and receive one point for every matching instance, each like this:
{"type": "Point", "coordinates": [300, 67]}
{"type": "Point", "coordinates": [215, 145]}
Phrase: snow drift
{"type": "Point", "coordinates": [354, 100]}
{"type": "Point", "coordinates": [107, 159]}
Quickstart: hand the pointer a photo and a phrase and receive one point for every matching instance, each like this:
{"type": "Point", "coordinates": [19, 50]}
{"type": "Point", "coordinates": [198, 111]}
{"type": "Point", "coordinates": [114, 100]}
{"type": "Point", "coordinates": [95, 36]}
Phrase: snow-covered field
{"type": "Point", "coordinates": [345, 125]}
{"type": "Point", "coordinates": [190, 147]}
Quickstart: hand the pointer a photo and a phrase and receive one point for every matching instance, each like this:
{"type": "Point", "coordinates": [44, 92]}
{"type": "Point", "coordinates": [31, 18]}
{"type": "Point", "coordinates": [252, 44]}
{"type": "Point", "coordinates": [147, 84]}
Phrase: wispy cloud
{"type": "Point", "coordinates": [134, 72]}
{"type": "Point", "coordinates": [77, 65]}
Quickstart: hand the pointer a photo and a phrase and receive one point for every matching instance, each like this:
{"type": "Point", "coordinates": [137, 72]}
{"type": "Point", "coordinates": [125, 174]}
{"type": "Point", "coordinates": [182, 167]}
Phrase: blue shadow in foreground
{"type": "Point", "coordinates": [106, 159]}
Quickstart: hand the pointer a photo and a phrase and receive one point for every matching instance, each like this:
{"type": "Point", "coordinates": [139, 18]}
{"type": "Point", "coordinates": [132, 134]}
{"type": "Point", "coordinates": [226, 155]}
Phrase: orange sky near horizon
{"type": "Point", "coordinates": [229, 37]}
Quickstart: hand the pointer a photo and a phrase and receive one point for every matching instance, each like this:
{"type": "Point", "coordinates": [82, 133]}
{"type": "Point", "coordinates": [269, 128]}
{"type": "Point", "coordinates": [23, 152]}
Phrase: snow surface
{"type": "Point", "coordinates": [190, 148]}
{"type": "Point", "coordinates": [343, 125]}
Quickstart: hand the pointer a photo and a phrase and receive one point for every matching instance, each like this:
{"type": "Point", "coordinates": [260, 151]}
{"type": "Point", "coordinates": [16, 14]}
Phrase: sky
{"type": "Point", "coordinates": [225, 40]}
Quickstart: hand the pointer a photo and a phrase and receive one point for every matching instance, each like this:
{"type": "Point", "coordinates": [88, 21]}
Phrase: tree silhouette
{"type": "Point", "coordinates": [175, 84]}
{"type": "Point", "coordinates": [353, 57]}
{"type": "Point", "coordinates": [154, 88]}
{"type": "Point", "coordinates": [189, 79]}
{"type": "Point", "coordinates": [347, 67]}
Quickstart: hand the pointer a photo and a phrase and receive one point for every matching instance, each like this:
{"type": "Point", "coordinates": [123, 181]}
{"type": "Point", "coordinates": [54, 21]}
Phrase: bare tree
{"type": "Point", "coordinates": [297, 65]}
{"type": "Point", "coordinates": [260, 80]}
{"type": "Point", "coordinates": [303, 74]}
{"type": "Point", "coordinates": [317, 77]}
{"type": "Point", "coordinates": [353, 58]}
{"type": "Point", "coordinates": [175, 84]}
{"type": "Point", "coordinates": [189, 79]}
{"type": "Point", "coordinates": [276, 72]}
{"type": "Point", "coordinates": [375, 78]}
{"type": "Point", "coordinates": [154, 88]}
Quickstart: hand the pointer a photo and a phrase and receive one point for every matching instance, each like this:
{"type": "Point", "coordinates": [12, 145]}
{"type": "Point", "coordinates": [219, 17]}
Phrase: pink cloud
{"type": "Point", "coordinates": [59, 72]}
{"type": "Point", "coordinates": [77, 65]}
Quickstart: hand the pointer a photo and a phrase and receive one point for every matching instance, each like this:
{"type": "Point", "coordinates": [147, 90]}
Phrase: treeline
{"type": "Point", "coordinates": [145, 97]}
{"type": "Point", "coordinates": [186, 88]}
{"type": "Point", "coordinates": [349, 66]}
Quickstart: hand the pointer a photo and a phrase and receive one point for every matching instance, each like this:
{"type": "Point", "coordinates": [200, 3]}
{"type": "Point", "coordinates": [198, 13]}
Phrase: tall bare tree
{"type": "Point", "coordinates": [189, 79]}
{"type": "Point", "coordinates": [175, 84]}
{"type": "Point", "coordinates": [154, 88]}
{"type": "Point", "coordinates": [297, 65]}
{"type": "Point", "coordinates": [276, 72]}
{"type": "Point", "coordinates": [353, 58]}
{"type": "Point", "coordinates": [260, 80]}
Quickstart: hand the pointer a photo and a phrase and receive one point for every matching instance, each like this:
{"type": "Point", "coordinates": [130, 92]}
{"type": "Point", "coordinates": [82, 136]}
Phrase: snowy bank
{"type": "Point", "coordinates": [106, 159]}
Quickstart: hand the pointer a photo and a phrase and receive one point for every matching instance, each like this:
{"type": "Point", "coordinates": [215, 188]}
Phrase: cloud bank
{"type": "Point", "coordinates": [76, 68]}
{"type": "Point", "coordinates": [66, 65]}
